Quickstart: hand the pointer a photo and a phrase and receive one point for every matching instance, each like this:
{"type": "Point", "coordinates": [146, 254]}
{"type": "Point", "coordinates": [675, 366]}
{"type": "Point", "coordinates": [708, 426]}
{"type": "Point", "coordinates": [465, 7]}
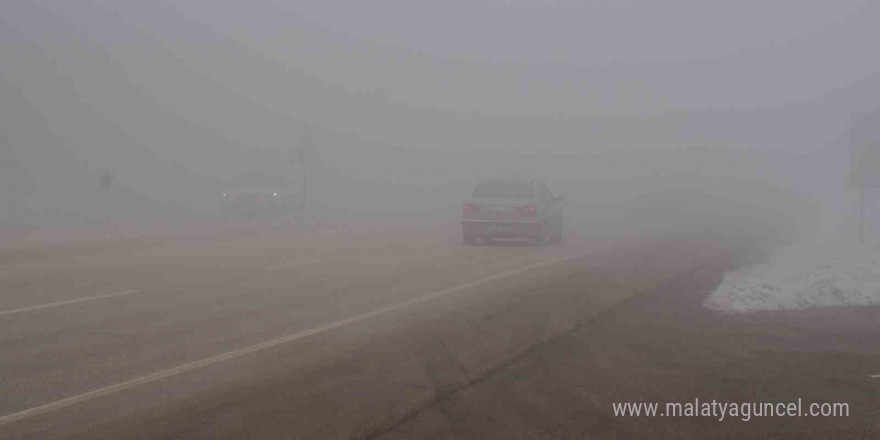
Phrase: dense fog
{"type": "Point", "coordinates": [407, 219]}
{"type": "Point", "coordinates": [682, 112]}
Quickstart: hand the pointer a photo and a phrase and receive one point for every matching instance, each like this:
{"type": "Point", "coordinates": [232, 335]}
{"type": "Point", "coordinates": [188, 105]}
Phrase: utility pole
{"type": "Point", "coordinates": [305, 189]}
{"type": "Point", "coordinates": [861, 214]}
{"type": "Point", "coordinates": [305, 152]}
{"type": "Point", "coordinates": [855, 173]}
{"type": "Point", "coordinates": [110, 219]}
{"type": "Point", "coordinates": [863, 162]}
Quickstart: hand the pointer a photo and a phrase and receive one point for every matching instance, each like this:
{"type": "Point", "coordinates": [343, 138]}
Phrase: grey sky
{"type": "Point", "coordinates": [170, 93]}
{"type": "Point", "coordinates": [659, 55]}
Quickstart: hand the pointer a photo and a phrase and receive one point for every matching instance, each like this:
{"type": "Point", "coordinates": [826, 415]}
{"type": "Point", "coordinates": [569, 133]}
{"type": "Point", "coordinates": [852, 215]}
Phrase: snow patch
{"type": "Point", "coordinates": [803, 276]}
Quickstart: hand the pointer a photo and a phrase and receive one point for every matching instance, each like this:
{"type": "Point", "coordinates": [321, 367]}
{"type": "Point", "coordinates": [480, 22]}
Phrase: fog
{"type": "Point", "coordinates": [398, 219]}
{"type": "Point", "coordinates": [679, 110]}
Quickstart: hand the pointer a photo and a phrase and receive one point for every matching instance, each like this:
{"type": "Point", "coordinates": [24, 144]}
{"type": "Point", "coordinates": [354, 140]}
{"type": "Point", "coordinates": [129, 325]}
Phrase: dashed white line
{"type": "Point", "coordinates": [90, 395]}
{"type": "Point", "coordinates": [64, 303]}
{"type": "Point", "coordinates": [875, 376]}
{"type": "Point", "coordinates": [295, 264]}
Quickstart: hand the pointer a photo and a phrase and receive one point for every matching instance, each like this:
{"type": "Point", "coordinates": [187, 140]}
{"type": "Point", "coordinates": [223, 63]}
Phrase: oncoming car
{"type": "Point", "coordinates": [270, 203]}
{"type": "Point", "coordinates": [512, 210]}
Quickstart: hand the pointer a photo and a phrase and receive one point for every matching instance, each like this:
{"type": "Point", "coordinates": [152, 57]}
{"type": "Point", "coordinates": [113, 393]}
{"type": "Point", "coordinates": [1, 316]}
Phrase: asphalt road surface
{"type": "Point", "coordinates": [332, 335]}
{"type": "Point", "coordinates": [78, 319]}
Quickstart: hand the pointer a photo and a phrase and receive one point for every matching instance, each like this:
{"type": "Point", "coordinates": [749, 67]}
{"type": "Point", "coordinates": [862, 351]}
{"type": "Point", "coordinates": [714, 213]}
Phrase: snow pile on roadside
{"type": "Point", "coordinates": [803, 276]}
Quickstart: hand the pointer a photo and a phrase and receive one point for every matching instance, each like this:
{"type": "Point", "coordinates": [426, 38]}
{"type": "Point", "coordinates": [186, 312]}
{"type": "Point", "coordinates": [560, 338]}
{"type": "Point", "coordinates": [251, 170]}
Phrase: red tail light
{"type": "Point", "coordinates": [530, 209]}
{"type": "Point", "coordinates": [468, 208]}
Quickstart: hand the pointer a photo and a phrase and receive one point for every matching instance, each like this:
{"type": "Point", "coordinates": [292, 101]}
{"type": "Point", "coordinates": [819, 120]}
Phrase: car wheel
{"type": "Point", "coordinates": [541, 241]}
{"type": "Point", "coordinates": [469, 240]}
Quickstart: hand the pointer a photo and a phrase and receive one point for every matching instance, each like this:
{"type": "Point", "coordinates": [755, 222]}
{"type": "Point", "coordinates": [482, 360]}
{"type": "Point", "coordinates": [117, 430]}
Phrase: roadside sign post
{"type": "Point", "coordinates": [861, 215]}
{"type": "Point", "coordinates": [306, 151]}
{"type": "Point", "coordinates": [864, 160]}
{"type": "Point", "coordinates": [106, 182]}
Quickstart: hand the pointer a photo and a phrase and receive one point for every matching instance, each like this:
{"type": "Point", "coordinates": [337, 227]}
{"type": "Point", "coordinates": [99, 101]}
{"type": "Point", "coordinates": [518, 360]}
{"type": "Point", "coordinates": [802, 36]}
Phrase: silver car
{"type": "Point", "coordinates": [512, 210]}
{"type": "Point", "coordinates": [266, 203]}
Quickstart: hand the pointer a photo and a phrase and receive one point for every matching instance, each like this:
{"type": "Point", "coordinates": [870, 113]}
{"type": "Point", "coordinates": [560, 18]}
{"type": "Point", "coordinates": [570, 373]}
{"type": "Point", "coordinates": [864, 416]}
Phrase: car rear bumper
{"type": "Point", "coordinates": [528, 229]}
{"type": "Point", "coordinates": [255, 209]}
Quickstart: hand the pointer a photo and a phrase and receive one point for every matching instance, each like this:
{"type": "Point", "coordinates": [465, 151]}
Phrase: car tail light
{"type": "Point", "coordinates": [233, 197]}
{"type": "Point", "coordinates": [468, 208]}
{"type": "Point", "coordinates": [530, 209]}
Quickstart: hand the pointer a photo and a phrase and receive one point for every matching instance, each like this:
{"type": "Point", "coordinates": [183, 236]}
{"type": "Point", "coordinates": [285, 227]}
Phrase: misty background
{"type": "Point", "coordinates": [683, 109]}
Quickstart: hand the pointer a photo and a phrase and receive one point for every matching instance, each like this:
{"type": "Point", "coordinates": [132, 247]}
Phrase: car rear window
{"type": "Point", "coordinates": [504, 190]}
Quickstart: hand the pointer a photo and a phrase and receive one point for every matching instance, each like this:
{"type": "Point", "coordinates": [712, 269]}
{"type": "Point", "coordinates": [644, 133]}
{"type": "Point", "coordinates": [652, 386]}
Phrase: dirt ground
{"type": "Point", "coordinates": [665, 347]}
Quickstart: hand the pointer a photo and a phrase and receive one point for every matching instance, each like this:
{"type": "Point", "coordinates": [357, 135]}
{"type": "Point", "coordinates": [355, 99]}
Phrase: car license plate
{"type": "Point", "coordinates": [499, 228]}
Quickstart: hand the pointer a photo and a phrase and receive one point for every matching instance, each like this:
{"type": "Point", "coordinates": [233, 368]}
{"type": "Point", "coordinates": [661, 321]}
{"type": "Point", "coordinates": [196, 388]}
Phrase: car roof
{"type": "Point", "coordinates": [258, 180]}
{"type": "Point", "coordinates": [254, 190]}
{"type": "Point", "coordinates": [509, 180]}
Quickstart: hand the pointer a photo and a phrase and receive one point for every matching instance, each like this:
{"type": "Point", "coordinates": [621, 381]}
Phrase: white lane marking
{"type": "Point", "coordinates": [875, 376]}
{"type": "Point", "coordinates": [159, 375]}
{"type": "Point", "coordinates": [64, 303]}
{"type": "Point", "coordinates": [295, 264]}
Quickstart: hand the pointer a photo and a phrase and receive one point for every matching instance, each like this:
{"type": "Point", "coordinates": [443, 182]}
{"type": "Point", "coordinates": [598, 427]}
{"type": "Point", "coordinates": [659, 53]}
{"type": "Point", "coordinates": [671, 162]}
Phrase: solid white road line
{"type": "Point", "coordinates": [875, 376]}
{"type": "Point", "coordinates": [64, 303]}
{"type": "Point", "coordinates": [295, 264]}
{"type": "Point", "coordinates": [90, 395]}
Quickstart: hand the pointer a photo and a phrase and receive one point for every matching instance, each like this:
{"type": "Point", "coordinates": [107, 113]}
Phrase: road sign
{"type": "Point", "coordinates": [864, 159]}
{"type": "Point", "coordinates": [106, 180]}
{"type": "Point", "coordinates": [865, 151]}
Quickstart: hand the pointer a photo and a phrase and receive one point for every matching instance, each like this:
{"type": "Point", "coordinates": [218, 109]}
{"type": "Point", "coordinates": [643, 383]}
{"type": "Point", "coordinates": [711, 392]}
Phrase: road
{"type": "Point", "coordinates": [385, 333]}
{"type": "Point", "coordinates": [75, 320]}
{"type": "Point", "coordinates": [665, 347]}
